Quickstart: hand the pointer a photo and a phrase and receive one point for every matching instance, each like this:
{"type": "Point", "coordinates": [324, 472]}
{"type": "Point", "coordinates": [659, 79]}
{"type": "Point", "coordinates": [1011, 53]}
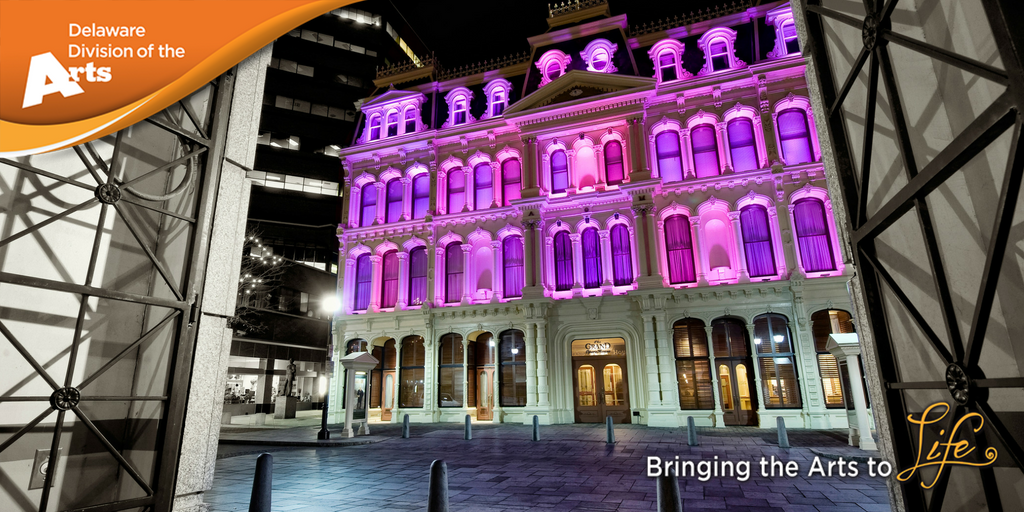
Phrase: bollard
{"type": "Point", "coordinates": [783, 436]}
{"type": "Point", "coordinates": [691, 432]}
{"type": "Point", "coordinates": [260, 500]}
{"type": "Point", "coordinates": [405, 427]}
{"type": "Point", "coordinates": [536, 428]}
{"type": "Point", "coordinates": [668, 494]}
{"type": "Point", "coordinates": [469, 429]}
{"type": "Point", "coordinates": [611, 430]}
{"type": "Point", "coordinates": [437, 488]}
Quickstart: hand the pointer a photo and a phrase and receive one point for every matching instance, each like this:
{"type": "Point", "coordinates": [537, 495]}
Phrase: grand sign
{"type": "Point", "coordinates": [615, 347]}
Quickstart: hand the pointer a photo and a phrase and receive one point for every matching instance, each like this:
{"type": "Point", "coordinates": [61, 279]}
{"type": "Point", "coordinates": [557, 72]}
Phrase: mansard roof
{"type": "Point", "coordinates": [562, 89]}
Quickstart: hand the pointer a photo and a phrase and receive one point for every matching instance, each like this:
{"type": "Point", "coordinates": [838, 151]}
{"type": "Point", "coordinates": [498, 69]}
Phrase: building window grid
{"type": "Point", "coordinates": [297, 183]}
{"type": "Point", "coordinates": [450, 371]}
{"type": "Point", "coordinates": [512, 372]}
{"type": "Point", "coordinates": [411, 373]}
{"type": "Point", "coordinates": [776, 357]}
{"type": "Point", "coordinates": [693, 365]}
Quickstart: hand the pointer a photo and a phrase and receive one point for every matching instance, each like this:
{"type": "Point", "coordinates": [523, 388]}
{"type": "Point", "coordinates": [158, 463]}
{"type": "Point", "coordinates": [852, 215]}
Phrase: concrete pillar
{"type": "Point", "coordinates": [686, 152]}
{"type": "Point", "coordinates": [759, 387]}
{"type": "Point", "coordinates": [651, 354]}
{"type": "Point", "coordinates": [570, 162]}
{"type": "Point", "coordinates": [375, 282]}
{"type": "Point", "coordinates": [530, 169]}
{"type": "Point", "coordinates": [468, 274]}
{"type": "Point", "coordinates": [667, 364]}
{"type": "Point", "coordinates": [403, 280]}
{"type": "Point", "coordinates": [602, 178]}
{"type": "Point", "coordinates": [716, 392]}
{"type": "Point", "coordinates": [607, 260]}
{"type": "Point", "coordinates": [439, 281]}
{"type": "Point", "coordinates": [465, 373]}
{"type": "Point", "coordinates": [398, 377]}
{"type": "Point", "coordinates": [497, 185]}
{"type": "Point", "coordinates": [645, 260]}
{"type": "Point", "coordinates": [698, 255]}
{"type": "Point", "coordinates": [860, 406]}
{"type": "Point", "coordinates": [495, 385]}
{"type": "Point", "coordinates": [723, 147]}
{"type": "Point", "coordinates": [381, 203]}
{"type": "Point", "coordinates": [743, 275]}
{"type": "Point", "coordinates": [577, 263]}
{"type": "Point", "coordinates": [531, 366]}
{"type": "Point", "coordinates": [498, 275]}
{"type": "Point", "coordinates": [542, 365]}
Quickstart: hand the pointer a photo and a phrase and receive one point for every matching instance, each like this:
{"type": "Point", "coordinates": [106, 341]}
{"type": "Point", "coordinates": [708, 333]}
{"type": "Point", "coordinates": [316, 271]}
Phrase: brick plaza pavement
{"type": "Point", "coordinates": [571, 468]}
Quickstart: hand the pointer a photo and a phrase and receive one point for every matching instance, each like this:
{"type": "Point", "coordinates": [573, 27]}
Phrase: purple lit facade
{"type": "Point", "coordinates": [613, 188]}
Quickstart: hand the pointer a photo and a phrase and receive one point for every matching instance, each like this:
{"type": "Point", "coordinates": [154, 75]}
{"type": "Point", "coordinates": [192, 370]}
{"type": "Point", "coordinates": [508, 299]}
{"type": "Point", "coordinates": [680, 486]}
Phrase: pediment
{"type": "Point", "coordinates": [578, 85]}
{"type": "Point", "coordinates": [392, 95]}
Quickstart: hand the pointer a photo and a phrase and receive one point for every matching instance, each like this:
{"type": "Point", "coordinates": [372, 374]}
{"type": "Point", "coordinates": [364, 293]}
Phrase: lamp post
{"type": "Point", "coordinates": [330, 305]}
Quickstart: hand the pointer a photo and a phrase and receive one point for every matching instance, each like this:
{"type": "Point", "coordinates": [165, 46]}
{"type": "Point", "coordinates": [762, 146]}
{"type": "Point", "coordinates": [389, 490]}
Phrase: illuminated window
{"type": "Point", "coordinates": [693, 367]}
{"type": "Point", "coordinates": [512, 372]}
{"type": "Point", "coordinates": [598, 55]}
{"type": "Point", "coordinates": [410, 387]}
{"type": "Point", "coordinates": [450, 371]}
{"type": "Point", "coordinates": [776, 358]}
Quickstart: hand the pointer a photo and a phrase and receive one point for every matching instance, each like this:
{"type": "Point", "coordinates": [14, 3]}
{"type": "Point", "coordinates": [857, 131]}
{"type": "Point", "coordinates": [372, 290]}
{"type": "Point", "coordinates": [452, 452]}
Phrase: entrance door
{"type": "Point", "coordinates": [601, 389]}
{"type": "Point", "coordinates": [485, 395]}
{"type": "Point", "coordinates": [736, 390]}
{"type": "Point", "coordinates": [389, 396]}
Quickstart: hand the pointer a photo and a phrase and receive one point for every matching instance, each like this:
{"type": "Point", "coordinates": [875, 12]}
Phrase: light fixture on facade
{"type": "Point", "coordinates": [778, 338]}
{"type": "Point", "coordinates": [757, 341]}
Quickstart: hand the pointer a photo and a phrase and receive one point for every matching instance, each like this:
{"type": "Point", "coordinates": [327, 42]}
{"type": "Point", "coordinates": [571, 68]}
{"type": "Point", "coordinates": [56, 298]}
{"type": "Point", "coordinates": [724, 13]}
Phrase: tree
{"type": "Point", "coordinates": [260, 275]}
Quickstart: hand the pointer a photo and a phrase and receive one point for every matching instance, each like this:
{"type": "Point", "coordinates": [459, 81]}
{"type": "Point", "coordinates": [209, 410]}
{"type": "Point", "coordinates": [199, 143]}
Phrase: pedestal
{"type": "Point", "coordinates": [284, 409]}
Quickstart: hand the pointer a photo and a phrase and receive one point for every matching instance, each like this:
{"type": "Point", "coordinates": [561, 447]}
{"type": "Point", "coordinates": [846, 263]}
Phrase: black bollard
{"type": "Point", "coordinates": [668, 494]}
{"type": "Point", "coordinates": [691, 432]}
{"type": "Point", "coordinates": [405, 427]}
{"type": "Point", "coordinates": [437, 490]}
{"type": "Point", "coordinates": [783, 436]}
{"type": "Point", "coordinates": [611, 430]}
{"type": "Point", "coordinates": [536, 428]}
{"type": "Point", "coordinates": [469, 429]}
{"type": "Point", "coordinates": [261, 484]}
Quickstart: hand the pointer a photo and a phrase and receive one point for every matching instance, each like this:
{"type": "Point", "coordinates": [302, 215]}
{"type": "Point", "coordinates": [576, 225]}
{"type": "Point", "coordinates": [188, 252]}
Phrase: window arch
{"type": "Point", "coordinates": [511, 180]}
{"type": "Point", "coordinates": [497, 92]}
{"type": "Point", "coordinates": [794, 136]}
{"type": "Point", "coordinates": [512, 256]}
{"type": "Point", "coordinates": [704, 143]}
{"type": "Point", "coordinates": [389, 281]}
{"type": "Point", "coordinates": [512, 368]}
{"type": "Point", "coordinates": [718, 53]}
{"type": "Point", "coordinates": [392, 123]}
{"type": "Point", "coordinates": [776, 357]}
{"type": "Point", "coordinates": [374, 127]}
{"type": "Point", "coordinates": [824, 323]}
{"type": "Point", "coordinates": [785, 31]}
{"type": "Point", "coordinates": [614, 170]}
{"type": "Point", "coordinates": [410, 120]}
{"type": "Point", "coordinates": [368, 204]}
{"type": "Point", "coordinates": [420, 195]}
{"type": "Point", "coordinates": [757, 241]}
{"type": "Point", "coordinates": [742, 147]}
{"type": "Point", "coordinates": [591, 245]}
{"type": "Point", "coordinates": [813, 237]}
{"type": "Point", "coordinates": [667, 56]}
{"type": "Point", "coordinates": [453, 267]}
{"type": "Point", "coordinates": [458, 100]}
{"type": "Point", "coordinates": [718, 46]}
{"type": "Point", "coordinates": [563, 262]}
{"type": "Point", "coordinates": [622, 256]}
{"type": "Point", "coordinates": [483, 185]}
{"type": "Point", "coordinates": [598, 55]}
{"type": "Point", "coordinates": [356, 345]}
{"type": "Point", "coordinates": [450, 371]}
{"type": "Point", "coordinates": [693, 366]}
{"type": "Point", "coordinates": [456, 190]}
{"type": "Point", "coordinates": [410, 387]}
{"type": "Point", "coordinates": [364, 276]}
{"type": "Point", "coordinates": [552, 64]}
{"type": "Point", "coordinates": [670, 160]}
{"type": "Point", "coordinates": [393, 204]}
{"type": "Point", "coordinates": [418, 276]}
{"type": "Point", "coordinates": [679, 249]}
{"type": "Point", "coordinates": [559, 172]}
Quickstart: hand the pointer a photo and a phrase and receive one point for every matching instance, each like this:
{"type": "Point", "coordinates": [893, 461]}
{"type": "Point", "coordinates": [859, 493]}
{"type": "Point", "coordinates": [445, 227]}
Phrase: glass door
{"type": "Point", "coordinates": [602, 390]}
{"type": "Point", "coordinates": [736, 392]}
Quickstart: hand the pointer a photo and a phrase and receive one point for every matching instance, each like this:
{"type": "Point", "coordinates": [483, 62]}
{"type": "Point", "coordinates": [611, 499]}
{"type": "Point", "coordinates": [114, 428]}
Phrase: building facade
{"type": "Point", "coordinates": [631, 222]}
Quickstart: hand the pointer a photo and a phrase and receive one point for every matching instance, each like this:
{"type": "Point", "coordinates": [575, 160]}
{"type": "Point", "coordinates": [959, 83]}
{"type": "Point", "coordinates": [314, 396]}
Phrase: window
{"type": "Point", "coordinates": [693, 368]}
{"type": "Point", "coordinates": [598, 56]}
{"type": "Point", "coordinates": [794, 137]}
{"type": "Point", "coordinates": [512, 254]}
{"type": "Point", "coordinates": [456, 191]}
{"type": "Point", "coordinates": [389, 283]}
{"type": "Point", "coordinates": [356, 345]}
{"type": "Point", "coordinates": [824, 323]}
{"type": "Point", "coordinates": [591, 243]}
{"type": "Point", "coordinates": [453, 272]}
{"type": "Point", "coordinates": [813, 236]}
{"type": "Point", "coordinates": [511, 178]}
{"type": "Point", "coordinates": [369, 204]}
{"type": "Point", "coordinates": [559, 172]}
{"type": "Point", "coordinates": [729, 338]}
{"type": "Point", "coordinates": [667, 59]}
{"type": "Point", "coordinates": [364, 275]}
{"type": "Point", "coordinates": [417, 276]}
{"type": "Point", "coordinates": [613, 169]}
{"type": "Point", "coordinates": [420, 195]}
{"type": "Point", "coordinates": [775, 356]}
{"type": "Point", "coordinates": [512, 372]}
{"type": "Point", "coordinates": [459, 112]}
{"type": "Point", "coordinates": [483, 181]}
{"type": "Point", "coordinates": [410, 387]}
{"type": "Point", "coordinates": [563, 262]}
{"type": "Point", "coordinates": [757, 241]}
{"type": "Point", "coordinates": [622, 256]}
{"type": "Point", "coordinates": [705, 151]}
{"type": "Point", "coordinates": [450, 371]}
{"type": "Point", "coordinates": [552, 64]}
{"type": "Point", "coordinates": [393, 206]}
{"type": "Point", "coordinates": [497, 102]}
{"type": "Point", "coordinates": [375, 127]}
{"type": "Point", "coordinates": [667, 66]}
{"type": "Point", "coordinates": [410, 120]}
{"type": "Point", "coordinates": [741, 144]}
{"type": "Point", "coordinates": [599, 60]}
{"type": "Point", "coordinates": [679, 247]}
{"type": "Point", "coordinates": [718, 52]}
{"type": "Point", "coordinates": [789, 37]}
{"type": "Point", "coordinates": [670, 161]}
{"type": "Point", "coordinates": [392, 124]}
{"type": "Point", "coordinates": [553, 71]}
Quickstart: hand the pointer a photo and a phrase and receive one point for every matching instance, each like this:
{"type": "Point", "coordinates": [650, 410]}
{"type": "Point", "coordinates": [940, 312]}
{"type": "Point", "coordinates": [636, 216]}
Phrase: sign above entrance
{"type": "Point", "coordinates": [614, 347]}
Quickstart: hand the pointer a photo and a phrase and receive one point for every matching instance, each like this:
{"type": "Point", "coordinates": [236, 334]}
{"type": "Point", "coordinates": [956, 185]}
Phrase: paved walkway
{"type": "Point", "coordinates": [571, 468]}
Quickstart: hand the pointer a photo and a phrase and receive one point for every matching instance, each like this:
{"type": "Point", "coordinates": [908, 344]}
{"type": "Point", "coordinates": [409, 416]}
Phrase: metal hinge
{"type": "Point", "coordinates": [193, 313]}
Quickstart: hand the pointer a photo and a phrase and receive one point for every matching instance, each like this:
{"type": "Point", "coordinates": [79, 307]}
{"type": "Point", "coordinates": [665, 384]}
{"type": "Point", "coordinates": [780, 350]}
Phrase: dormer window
{"type": "Point", "coordinates": [391, 114]}
{"type": "Point", "coordinates": [552, 65]}
{"type": "Point", "coordinates": [553, 71]}
{"type": "Point", "coordinates": [410, 120]}
{"type": "Point", "coordinates": [375, 127]}
{"type": "Point", "coordinates": [785, 32]}
{"type": "Point", "coordinates": [667, 66]}
{"type": "Point", "coordinates": [667, 56]}
{"type": "Point", "coordinates": [459, 112]}
{"type": "Point", "coordinates": [598, 55]}
{"type": "Point", "coordinates": [458, 100]}
{"type": "Point", "coordinates": [392, 124]}
{"type": "Point", "coordinates": [718, 50]}
{"type": "Point", "coordinates": [719, 47]}
{"type": "Point", "coordinates": [789, 37]}
{"type": "Point", "coordinates": [497, 103]}
{"type": "Point", "coordinates": [497, 93]}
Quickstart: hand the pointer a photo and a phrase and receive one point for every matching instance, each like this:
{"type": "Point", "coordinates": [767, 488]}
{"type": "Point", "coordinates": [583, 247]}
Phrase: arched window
{"type": "Point", "coordinates": [718, 52]}
{"type": "Point", "coordinates": [599, 59]}
{"type": "Point", "coordinates": [497, 102]}
{"type": "Point", "coordinates": [389, 283]}
{"type": "Point", "coordinates": [613, 168]}
{"type": "Point", "coordinates": [679, 247]}
{"type": "Point", "coordinates": [393, 206]}
{"type": "Point", "coordinates": [374, 127]}
{"type": "Point", "coordinates": [459, 111]}
{"type": "Point", "coordinates": [795, 137]}
{"type": "Point", "coordinates": [775, 356]}
{"type": "Point", "coordinates": [511, 180]}
{"type": "Point", "coordinates": [757, 241]}
{"type": "Point", "coordinates": [483, 185]}
{"type": "Point", "coordinates": [453, 286]}
{"type": "Point", "coordinates": [789, 37]}
{"type": "Point", "coordinates": [450, 371]}
{"type": "Point", "coordinates": [553, 71]}
{"type": "Point", "coordinates": [591, 243]}
{"type": "Point", "coordinates": [667, 65]}
{"type": "Point", "coordinates": [410, 120]}
{"type": "Point", "coordinates": [410, 387]}
{"type": "Point", "coordinates": [741, 144]}
{"type": "Point", "coordinates": [417, 276]}
{"type": "Point", "coordinates": [670, 161]}
{"type": "Point", "coordinates": [356, 345]}
{"type": "Point", "coordinates": [693, 368]}
{"type": "Point", "coordinates": [563, 262]}
{"type": "Point", "coordinates": [824, 323]}
{"type": "Point", "coordinates": [512, 376]}
{"type": "Point", "coordinates": [364, 275]}
{"type": "Point", "coordinates": [813, 236]}
{"type": "Point", "coordinates": [392, 124]}
{"type": "Point", "coordinates": [456, 191]}
{"type": "Point", "coordinates": [622, 256]}
{"type": "Point", "coordinates": [512, 253]}
{"type": "Point", "coordinates": [368, 205]}
{"type": "Point", "coordinates": [420, 196]}
{"type": "Point", "coordinates": [559, 172]}
{"type": "Point", "coordinates": [705, 150]}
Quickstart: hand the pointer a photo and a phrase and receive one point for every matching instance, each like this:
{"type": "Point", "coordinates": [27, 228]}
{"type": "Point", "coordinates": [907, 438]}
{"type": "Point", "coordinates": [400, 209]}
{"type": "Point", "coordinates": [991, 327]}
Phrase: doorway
{"type": "Point", "coordinates": [734, 368]}
{"type": "Point", "coordinates": [600, 381]}
{"type": "Point", "coordinates": [485, 395]}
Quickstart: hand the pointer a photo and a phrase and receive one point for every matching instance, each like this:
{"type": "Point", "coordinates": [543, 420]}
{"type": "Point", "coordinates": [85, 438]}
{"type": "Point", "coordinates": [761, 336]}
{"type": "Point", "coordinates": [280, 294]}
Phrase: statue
{"type": "Point", "coordinates": [289, 376]}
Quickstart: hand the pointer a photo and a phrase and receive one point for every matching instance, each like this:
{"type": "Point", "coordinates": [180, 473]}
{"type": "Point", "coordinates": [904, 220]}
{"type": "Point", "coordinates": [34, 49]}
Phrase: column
{"type": "Point", "coordinates": [607, 260]}
{"type": "Point", "coordinates": [686, 152]}
{"type": "Point", "coordinates": [767, 125]}
{"type": "Point", "coordinates": [542, 365]}
{"type": "Point", "coordinates": [468, 276]}
{"type": "Point", "coordinates": [762, 154]}
{"type": "Point", "coordinates": [577, 263]}
{"type": "Point", "coordinates": [645, 147]}
{"type": "Point", "coordinates": [531, 366]}
{"type": "Point", "coordinates": [530, 170]}
{"type": "Point", "coordinates": [785, 216]}
{"type": "Point", "coordinates": [398, 375]}
{"type": "Point", "coordinates": [634, 255]}
{"type": "Point", "coordinates": [348, 292]}
{"type": "Point", "coordinates": [470, 175]}
{"type": "Point", "coordinates": [529, 253]}
{"type": "Point", "coordinates": [406, 198]}
{"type": "Point", "coordinates": [544, 171]}
{"type": "Point", "coordinates": [759, 389]}
{"type": "Point", "coordinates": [375, 282]}
{"type": "Point", "coordinates": [638, 147]}
{"type": "Point", "coordinates": [439, 281]}
{"type": "Point", "coordinates": [860, 406]}
{"type": "Point", "coordinates": [381, 203]}
{"type": "Point", "coordinates": [741, 250]}
{"type": "Point", "coordinates": [403, 280]}
{"type": "Point", "coordinates": [666, 363]}
{"type": "Point", "coordinates": [651, 353]}
{"type": "Point", "coordinates": [570, 160]}
{"type": "Point", "coordinates": [723, 147]}
{"type": "Point", "coordinates": [775, 227]}
{"type": "Point", "coordinates": [660, 246]}
{"type": "Point", "coordinates": [435, 190]}
{"type": "Point", "coordinates": [496, 384]}
{"type": "Point", "coordinates": [640, 213]}
{"type": "Point", "coordinates": [497, 188]}
{"type": "Point", "coordinates": [602, 178]}
{"type": "Point", "coordinates": [652, 242]}
{"type": "Point", "coordinates": [498, 274]}
{"type": "Point", "coordinates": [698, 255]}
{"type": "Point", "coordinates": [715, 389]}
{"type": "Point", "coordinates": [465, 373]}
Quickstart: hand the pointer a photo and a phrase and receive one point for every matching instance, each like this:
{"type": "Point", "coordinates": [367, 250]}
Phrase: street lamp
{"type": "Point", "coordinates": [329, 305]}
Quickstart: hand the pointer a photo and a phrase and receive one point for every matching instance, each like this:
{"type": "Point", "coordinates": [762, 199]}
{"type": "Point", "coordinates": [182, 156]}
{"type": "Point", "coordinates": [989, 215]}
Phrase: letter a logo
{"type": "Point", "coordinates": [45, 67]}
